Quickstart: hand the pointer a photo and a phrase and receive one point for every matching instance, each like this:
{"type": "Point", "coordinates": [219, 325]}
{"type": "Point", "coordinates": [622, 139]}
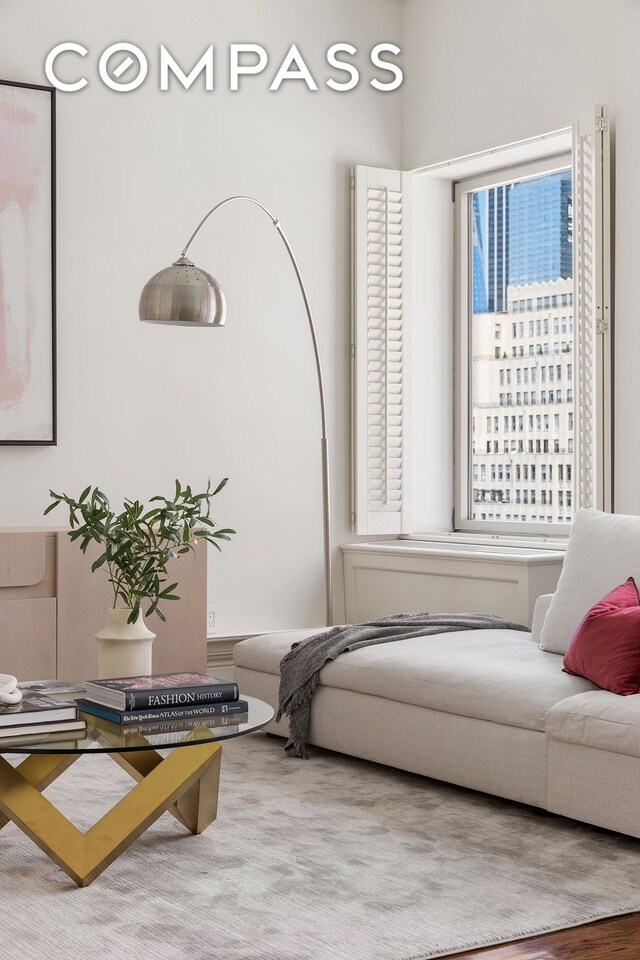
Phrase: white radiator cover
{"type": "Point", "coordinates": [404, 576]}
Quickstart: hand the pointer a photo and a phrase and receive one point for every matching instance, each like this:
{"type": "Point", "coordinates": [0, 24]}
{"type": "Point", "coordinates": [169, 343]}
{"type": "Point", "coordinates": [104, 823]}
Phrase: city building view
{"type": "Point", "coordinates": [523, 416]}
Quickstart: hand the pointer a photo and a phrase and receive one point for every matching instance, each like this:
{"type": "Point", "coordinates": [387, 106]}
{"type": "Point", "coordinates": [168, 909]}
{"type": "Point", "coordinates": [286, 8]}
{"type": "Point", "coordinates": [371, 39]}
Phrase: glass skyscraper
{"type": "Point", "coordinates": [522, 233]}
{"type": "Point", "coordinates": [480, 273]}
{"type": "Point", "coordinates": [540, 229]}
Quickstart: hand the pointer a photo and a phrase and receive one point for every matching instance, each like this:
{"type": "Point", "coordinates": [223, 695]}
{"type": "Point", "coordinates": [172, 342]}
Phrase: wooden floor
{"type": "Point", "coordinates": [617, 939]}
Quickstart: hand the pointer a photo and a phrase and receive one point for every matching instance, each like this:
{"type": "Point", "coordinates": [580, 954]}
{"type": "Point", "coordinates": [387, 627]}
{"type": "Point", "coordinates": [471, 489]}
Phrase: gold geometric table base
{"type": "Point", "coordinates": [185, 783]}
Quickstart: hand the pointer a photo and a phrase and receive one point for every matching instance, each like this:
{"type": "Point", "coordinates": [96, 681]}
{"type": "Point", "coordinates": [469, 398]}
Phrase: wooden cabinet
{"type": "Point", "coordinates": [51, 605]}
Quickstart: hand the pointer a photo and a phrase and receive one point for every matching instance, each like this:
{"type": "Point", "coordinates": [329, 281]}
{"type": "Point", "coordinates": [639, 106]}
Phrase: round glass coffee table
{"type": "Point", "coordinates": [185, 782]}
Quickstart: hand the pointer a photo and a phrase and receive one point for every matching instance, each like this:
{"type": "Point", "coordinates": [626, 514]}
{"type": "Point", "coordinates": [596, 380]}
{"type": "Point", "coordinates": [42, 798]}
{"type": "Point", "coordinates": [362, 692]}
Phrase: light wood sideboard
{"type": "Point", "coordinates": [51, 605]}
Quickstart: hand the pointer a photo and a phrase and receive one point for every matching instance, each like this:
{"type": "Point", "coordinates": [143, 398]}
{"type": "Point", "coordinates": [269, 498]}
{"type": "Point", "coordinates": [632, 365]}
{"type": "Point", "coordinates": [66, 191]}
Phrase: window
{"type": "Point", "coordinates": [529, 221]}
{"type": "Point", "coordinates": [409, 388]}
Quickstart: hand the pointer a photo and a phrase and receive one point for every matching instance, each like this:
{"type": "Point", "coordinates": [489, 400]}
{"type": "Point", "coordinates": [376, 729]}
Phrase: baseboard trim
{"type": "Point", "coordinates": [220, 647]}
{"type": "Point", "coordinates": [220, 651]}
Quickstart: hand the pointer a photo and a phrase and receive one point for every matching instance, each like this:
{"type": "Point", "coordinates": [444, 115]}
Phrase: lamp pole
{"type": "Point", "coordinates": [199, 301]}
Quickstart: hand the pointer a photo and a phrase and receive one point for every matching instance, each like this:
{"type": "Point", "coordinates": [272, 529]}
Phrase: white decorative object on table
{"type": "Point", "coordinates": [124, 649]}
{"type": "Point", "coordinates": [9, 692]}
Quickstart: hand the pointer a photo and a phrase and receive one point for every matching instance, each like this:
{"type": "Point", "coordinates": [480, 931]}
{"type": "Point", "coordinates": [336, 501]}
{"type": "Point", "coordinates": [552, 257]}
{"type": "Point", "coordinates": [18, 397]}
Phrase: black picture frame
{"type": "Point", "coordinates": [53, 439]}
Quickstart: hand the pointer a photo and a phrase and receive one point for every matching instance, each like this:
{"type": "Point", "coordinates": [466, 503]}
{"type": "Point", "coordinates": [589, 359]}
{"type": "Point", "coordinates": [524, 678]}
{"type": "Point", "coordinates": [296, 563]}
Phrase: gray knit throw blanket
{"type": "Point", "coordinates": [300, 668]}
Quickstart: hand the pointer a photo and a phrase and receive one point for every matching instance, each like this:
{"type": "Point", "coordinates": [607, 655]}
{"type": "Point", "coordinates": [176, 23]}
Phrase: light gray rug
{"type": "Point", "coordinates": [325, 859]}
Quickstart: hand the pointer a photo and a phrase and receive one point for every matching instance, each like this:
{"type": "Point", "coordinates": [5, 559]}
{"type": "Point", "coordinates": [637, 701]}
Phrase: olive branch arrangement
{"type": "Point", "coordinates": [139, 542]}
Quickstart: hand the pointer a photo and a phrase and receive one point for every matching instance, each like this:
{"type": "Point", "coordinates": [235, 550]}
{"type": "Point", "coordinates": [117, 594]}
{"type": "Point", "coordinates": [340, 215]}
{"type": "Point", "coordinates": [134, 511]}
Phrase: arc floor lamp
{"type": "Point", "coordinates": [184, 295]}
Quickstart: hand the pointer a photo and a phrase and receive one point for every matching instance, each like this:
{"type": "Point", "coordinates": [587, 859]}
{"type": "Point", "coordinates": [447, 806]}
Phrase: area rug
{"type": "Point", "coordinates": [325, 859]}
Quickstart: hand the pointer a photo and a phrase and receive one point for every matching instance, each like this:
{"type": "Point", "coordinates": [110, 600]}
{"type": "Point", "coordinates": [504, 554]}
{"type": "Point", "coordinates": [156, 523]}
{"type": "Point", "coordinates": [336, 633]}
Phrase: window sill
{"type": "Point", "coordinates": [533, 541]}
{"type": "Point", "coordinates": [489, 551]}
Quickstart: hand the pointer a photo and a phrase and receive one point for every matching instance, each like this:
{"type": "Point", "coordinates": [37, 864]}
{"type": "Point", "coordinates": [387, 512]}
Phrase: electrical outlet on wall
{"type": "Point", "coordinates": [211, 620]}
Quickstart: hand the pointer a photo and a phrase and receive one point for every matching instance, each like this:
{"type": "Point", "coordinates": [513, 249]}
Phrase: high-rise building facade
{"type": "Point", "coordinates": [540, 229]}
{"type": "Point", "coordinates": [523, 407]}
{"type": "Point", "coordinates": [522, 233]}
{"type": "Point", "coordinates": [498, 246]}
{"type": "Point", "coordinates": [479, 252]}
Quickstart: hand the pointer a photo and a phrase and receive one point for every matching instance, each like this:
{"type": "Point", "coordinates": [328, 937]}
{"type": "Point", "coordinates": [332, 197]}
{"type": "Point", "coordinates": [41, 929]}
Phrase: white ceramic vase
{"type": "Point", "coordinates": [124, 649]}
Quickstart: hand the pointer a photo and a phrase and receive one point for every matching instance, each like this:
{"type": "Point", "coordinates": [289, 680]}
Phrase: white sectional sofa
{"type": "Point", "coordinates": [485, 709]}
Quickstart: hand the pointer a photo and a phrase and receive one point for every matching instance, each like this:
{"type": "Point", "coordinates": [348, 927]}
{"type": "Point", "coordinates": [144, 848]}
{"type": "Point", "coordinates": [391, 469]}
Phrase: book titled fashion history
{"type": "Point", "coordinates": [160, 690]}
{"type": "Point", "coordinates": [205, 710]}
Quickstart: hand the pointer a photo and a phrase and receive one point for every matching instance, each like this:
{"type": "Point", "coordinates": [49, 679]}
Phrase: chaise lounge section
{"type": "Point", "coordinates": [485, 709]}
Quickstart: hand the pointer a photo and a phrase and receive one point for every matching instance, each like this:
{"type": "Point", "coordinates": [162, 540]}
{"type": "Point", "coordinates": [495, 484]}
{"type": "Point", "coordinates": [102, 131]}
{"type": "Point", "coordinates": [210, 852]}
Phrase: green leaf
{"type": "Point", "coordinates": [99, 562]}
{"type": "Point", "coordinates": [220, 486]}
{"type": "Point", "coordinates": [51, 507]}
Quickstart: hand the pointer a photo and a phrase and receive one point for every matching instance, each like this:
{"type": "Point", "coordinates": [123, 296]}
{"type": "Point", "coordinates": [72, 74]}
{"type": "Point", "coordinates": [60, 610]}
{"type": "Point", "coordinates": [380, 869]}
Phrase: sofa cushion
{"type": "Point", "coordinates": [597, 719]}
{"type": "Point", "coordinates": [540, 611]}
{"type": "Point", "coordinates": [496, 675]}
{"type": "Point", "coordinates": [606, 646]}
{"type": "Point", "coordinates": [603, 550]}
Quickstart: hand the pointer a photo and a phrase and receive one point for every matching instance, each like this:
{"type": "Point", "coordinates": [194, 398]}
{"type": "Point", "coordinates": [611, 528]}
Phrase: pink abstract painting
{"type": "Point", "coordinates": [27, 329]}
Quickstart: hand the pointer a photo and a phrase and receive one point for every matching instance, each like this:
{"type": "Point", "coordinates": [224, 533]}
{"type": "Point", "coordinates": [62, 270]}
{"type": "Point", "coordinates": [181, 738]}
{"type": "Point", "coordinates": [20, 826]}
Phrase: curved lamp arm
{"type": "Point", "coordinates": [326, 508]}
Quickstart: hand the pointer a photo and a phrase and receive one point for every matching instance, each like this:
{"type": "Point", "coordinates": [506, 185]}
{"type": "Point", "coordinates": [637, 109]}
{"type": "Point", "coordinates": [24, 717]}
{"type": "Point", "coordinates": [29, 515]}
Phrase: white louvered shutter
{"type": "Point", "coordinates": [380, 348]}
{"type": "Point", "coordinates": [592, 310]}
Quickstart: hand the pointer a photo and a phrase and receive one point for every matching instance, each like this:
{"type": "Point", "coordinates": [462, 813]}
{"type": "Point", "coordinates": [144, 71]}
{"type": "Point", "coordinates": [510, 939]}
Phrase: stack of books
{"type": "Point", "coordinates": [165, 702]}
{"type": "Point", "coordinates": [36, 717]}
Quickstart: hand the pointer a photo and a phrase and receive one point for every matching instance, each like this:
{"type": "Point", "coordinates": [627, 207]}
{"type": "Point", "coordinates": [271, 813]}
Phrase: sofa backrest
{"type": "Point", "coordinates": [603, 552]}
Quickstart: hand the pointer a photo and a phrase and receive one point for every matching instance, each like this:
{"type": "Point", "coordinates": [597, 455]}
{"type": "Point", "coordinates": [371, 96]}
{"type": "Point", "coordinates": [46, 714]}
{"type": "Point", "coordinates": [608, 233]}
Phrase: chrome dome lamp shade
{"type": "Point", "coordinates": [183, 295]}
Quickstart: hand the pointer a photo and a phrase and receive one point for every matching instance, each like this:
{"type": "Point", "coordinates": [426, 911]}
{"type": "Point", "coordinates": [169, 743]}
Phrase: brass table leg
{"type": "Point", "coordinates": [185, 782]}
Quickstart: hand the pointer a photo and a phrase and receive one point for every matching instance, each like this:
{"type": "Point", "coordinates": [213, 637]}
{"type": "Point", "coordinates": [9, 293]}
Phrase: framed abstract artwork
{"type": "Point", "coordinates": [27, 264]}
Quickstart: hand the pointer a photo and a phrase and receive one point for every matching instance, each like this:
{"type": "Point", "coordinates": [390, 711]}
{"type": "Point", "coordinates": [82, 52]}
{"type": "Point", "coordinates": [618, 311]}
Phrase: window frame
{"type": "Point", "coordinates": [463, 299]}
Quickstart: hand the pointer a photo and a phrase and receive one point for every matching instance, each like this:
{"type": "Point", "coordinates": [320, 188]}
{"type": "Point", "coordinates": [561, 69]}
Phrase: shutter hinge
{"type": "Point", "coordinates": [602, 327]}
{"type": "Point", "coordinates": [602, 124]}
{"type": "Point", "coordinates": [353, 351]}
{"type": "Point", "coordinates": [353, 519]}
{"type": "Point", "coordinates": [353, 181]}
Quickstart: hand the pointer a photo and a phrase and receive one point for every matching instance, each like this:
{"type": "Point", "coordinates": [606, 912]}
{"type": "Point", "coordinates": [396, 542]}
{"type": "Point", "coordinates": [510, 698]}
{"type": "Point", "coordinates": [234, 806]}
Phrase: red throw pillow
{"type": "Point", "coordinates": [606, 646]}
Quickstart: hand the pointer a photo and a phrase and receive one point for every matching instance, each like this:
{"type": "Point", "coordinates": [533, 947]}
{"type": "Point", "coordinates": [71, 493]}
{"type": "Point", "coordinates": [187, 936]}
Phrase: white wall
{"type": "Point", "coordinates": [627, 314]}
{"type": "Point", "coordinates": [140, 405]}
{"type": "Point", "coordinates": [481, 73]}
